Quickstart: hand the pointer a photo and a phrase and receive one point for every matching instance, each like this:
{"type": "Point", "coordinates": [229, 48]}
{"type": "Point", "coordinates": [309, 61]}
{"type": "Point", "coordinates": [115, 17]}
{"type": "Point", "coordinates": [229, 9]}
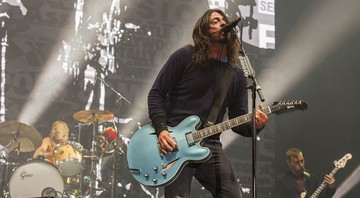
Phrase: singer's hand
{"type": "Point", "coordinates": [166, 142]}
{"type": "Point", "coordinates": [260, 118]}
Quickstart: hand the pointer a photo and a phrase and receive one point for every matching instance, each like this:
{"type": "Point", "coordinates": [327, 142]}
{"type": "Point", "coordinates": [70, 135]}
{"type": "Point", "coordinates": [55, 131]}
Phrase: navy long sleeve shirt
{"type": "Point", "coordinates": [183, 88]}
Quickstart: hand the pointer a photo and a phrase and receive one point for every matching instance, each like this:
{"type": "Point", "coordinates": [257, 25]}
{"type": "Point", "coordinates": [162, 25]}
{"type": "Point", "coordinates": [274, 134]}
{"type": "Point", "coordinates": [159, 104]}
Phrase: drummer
{"type": "Point", "coordinates": [59, 134]}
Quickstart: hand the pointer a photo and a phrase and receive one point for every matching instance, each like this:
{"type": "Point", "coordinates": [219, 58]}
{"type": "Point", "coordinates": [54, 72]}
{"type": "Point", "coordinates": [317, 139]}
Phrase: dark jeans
{"type": "Point", "coordinates": [216, 175]}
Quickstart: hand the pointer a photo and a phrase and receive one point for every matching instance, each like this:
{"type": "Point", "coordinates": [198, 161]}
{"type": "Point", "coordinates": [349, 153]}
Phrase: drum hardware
{"type": "Point", "coordinates": [76, 186]}
{"type": "Point", "coordinates": [117, 151]}
{"type": "Point", "coordinates": [113, 186]}
{"type": "Point", "coordinates": [78, 132]}
{"type": "Point", "coordinates": [93, 163]}
{"type": "Point", "coordinates": [86, 154]}
{"type": "Point", "coordinates": [72, 137]}
{"type": "Point", "coordinates": [4, 153]}
{"type": "Point", "coordinates": [114, 176]}
{"type": "Point", "coordinates": [95, 117]}
{"type": "Point", "coordinates": [6, 169]}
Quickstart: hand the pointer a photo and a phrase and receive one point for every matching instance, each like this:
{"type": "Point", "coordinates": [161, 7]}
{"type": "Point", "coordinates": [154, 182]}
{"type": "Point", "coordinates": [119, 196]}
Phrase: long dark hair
{"type": "Point", "coordinates": [202, 41]}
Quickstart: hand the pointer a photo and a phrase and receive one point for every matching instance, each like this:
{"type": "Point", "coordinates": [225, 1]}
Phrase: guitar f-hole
{"type": "Point", "coordinates": [169, 165]}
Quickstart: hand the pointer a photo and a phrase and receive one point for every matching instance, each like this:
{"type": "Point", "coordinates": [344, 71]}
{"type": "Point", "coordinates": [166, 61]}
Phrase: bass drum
{"type": "Point", "coordinates": [36, 178]}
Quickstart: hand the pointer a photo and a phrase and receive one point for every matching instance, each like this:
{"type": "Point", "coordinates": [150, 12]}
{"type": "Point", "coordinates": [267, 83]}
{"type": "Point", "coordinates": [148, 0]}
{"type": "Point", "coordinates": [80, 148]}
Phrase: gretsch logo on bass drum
{"type": "Point", "coordinates": [25, 175]}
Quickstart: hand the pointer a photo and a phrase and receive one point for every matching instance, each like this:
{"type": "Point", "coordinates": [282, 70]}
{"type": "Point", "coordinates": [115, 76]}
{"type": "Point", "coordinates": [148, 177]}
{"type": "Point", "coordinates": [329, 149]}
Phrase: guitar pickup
{"type": "Point", "coordinates": [189, 139]}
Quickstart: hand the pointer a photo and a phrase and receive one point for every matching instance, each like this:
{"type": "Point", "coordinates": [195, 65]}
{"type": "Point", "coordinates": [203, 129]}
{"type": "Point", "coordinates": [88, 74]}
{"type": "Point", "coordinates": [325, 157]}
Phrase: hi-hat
{"type": "Point", "coordinates": [93, 116]}
{"type": "Point", "coordinates": [17, 135]}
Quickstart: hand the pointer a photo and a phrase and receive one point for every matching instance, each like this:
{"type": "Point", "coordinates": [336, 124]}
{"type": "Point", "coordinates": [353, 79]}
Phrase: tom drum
{"type": "Point", "coordinates": [68, 158]}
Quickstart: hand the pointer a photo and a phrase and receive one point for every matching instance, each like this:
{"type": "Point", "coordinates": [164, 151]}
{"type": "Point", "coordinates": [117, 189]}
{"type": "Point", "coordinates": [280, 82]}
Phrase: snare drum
{"type": "Point", "coordinates": [106, 138]}
{"type": "Point", "coordinates": [68, 158]}
{"type": "Point", "coordinates": [36, 178]}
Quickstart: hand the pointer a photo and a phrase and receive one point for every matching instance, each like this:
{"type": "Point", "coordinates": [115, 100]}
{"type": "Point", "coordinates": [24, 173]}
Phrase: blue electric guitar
{"type": "Point", "coordinates": [150, 167]}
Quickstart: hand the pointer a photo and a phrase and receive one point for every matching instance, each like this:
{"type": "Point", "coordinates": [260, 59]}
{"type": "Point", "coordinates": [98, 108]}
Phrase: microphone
{"type": "Point", "coordinates": [230, 26]}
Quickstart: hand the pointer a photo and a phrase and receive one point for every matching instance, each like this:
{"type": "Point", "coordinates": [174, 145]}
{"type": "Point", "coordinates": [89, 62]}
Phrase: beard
{"type": "Point", "coordinates": [219, 38]}
{"type": "Point", "coordinates": [223, 40]}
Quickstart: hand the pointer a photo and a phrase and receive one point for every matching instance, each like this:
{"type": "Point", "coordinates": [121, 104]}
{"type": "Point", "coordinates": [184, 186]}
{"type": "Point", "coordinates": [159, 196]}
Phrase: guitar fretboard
{"type": "Point", "coordinates": [223, 126]}
{"type": "Point", "coordinates": [323, 184]}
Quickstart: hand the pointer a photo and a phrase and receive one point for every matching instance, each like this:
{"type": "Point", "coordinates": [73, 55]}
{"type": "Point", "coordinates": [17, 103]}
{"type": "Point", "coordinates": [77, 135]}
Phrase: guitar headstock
{"type": "Point", "coordinates": [342, 162]}
{"type": "Point", "coordinates": [290, 105]}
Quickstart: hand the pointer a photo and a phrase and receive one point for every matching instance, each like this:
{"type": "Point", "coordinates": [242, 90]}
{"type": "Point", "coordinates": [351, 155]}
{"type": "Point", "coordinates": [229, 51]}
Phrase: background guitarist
{"type": "Point", "coordinates": [297, 180]}
{"type": "Point", "coordinates": [187, 85]}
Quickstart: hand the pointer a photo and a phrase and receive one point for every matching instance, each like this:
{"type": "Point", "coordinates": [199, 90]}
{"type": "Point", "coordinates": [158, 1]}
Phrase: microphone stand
{"type": "Point", "coordinates": [119, 94]}
{"type": "Point", "coordinates": [4, 175]}
{"type": "Point", "coordinates": [116, 150]}
{"type": "Point", "coordinates": [255, 88]}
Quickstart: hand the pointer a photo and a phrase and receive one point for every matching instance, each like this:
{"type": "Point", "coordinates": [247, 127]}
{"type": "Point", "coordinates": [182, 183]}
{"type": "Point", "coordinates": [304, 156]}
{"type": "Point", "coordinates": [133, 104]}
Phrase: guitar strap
{"type": "Point", "coordinates": [220, 97]}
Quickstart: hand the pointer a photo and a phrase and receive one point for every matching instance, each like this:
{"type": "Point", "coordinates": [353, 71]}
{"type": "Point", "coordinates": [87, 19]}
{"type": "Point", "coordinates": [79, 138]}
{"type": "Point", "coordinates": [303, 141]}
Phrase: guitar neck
{"type": "Point", "coordinates": [223, 126]}
{"type": "Point", "coordinates": [323, 184]}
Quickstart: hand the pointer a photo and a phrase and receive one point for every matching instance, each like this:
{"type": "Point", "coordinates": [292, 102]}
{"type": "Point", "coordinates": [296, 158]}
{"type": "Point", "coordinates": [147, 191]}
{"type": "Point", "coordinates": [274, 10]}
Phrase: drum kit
{"type": "Point", "coordinates": [74, 173]}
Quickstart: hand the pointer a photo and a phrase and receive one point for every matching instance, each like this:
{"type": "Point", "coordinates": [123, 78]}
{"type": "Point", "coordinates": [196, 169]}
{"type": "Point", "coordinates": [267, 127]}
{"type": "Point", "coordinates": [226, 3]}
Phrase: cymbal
{"type": "Point", "coordinates": [15, 134]}
{"type": "Point", "coordinates": [93, 116]}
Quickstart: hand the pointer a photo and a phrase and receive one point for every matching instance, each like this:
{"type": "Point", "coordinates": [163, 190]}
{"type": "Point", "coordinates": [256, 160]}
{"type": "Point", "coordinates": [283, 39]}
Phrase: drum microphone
{"type": "Point", "coordinates": [230, 26]}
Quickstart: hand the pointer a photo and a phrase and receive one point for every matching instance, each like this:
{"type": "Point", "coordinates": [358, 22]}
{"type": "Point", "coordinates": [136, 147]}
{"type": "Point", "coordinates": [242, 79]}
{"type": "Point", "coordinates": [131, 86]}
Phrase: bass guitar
{"type": "Point", "coordinates": [150, 167]}
{"type": "Point", "coordinates": [339, 164]}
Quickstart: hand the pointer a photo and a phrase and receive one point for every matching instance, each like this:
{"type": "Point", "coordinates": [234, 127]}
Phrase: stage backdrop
{"type": "Point", "coordinates": [59, 57]}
